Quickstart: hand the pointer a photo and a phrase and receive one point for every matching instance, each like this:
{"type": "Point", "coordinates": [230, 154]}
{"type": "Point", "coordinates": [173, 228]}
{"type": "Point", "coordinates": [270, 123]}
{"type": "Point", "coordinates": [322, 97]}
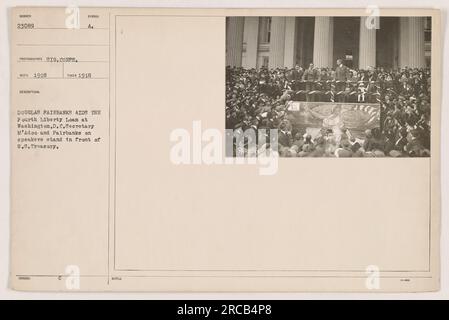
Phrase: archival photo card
{"type": "Point", "coordinates": [151, 149]}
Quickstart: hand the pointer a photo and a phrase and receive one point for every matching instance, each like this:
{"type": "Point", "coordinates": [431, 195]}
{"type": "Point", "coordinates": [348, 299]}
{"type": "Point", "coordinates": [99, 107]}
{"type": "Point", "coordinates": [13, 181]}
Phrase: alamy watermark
{"type": "Point", "coordinates": [372, 281]}
{"type": "Point", "coordinates": [373, 20]}
{"type": "Point", "coordinates": [250, 146]}
{"type": "Point", "coordinates": [72, 281]}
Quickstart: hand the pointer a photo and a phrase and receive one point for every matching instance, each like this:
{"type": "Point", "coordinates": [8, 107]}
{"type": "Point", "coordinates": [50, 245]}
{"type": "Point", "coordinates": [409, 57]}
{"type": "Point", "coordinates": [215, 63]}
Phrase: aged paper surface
{"type": "Point", "coordinates": [98, 203]}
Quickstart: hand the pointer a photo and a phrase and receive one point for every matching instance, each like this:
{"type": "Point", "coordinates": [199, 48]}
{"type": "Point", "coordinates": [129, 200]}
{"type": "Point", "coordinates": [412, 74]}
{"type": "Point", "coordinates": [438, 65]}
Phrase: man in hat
{"type": "Point", "coordinates": [284, 136]}
{"type": "Point", "coordinates": [414, 145]}
{"type": "Point", "coordinates": [311, 75]}
{"type": "Point", "coordinates": [341, 76]}
{"type": "Point", "coordinates": [297, 74]}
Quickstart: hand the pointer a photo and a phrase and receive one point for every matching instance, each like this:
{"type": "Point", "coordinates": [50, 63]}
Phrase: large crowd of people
{"type": "Point", "coordinates": [258, 99]}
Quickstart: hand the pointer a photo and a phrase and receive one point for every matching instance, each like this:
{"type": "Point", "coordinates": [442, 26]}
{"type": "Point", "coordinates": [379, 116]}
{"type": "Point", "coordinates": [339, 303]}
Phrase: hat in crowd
{"type": "Point", "coordinates": [395, 153]}
{"type": "Point", "coordinates": [345, 144]}
{"type": "Point", "coordinates": [318, 152]}
{"type": "Point", "coordinates": [343, 153]}
{"type": "Point", "coordinates": [306, 148]}
{"type": "Point", "coordinates": [378, 153]}
{"type": "Point", "coordinates": [368, 133]}
{"type": "Point", "coordinates": [369, 154]}
{"type": "Point", "coordinates": [359, 153]}
{"type": "Point", "coordinates": [294, 149]}
{"type": "Point", "coordinates": [355, 147]}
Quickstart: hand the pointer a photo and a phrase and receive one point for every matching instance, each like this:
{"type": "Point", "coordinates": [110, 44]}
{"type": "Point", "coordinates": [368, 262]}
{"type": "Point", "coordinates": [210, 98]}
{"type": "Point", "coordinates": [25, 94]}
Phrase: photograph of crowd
{"type": "Point", "coordinates": [259, 97]}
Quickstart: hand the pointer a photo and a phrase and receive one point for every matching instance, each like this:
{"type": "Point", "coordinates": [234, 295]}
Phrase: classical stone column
{"type": "Point", "coordinates": [416, 48]}
{"type": "Point", "coordinates": [277, 42]}
{"type": "Point", "coordinates": [234, 41]}
{"type": "Point", "coordinates": [411, 39]}
{"type": "Point", "coordinates": [403, 42]}
{"type": "Point", "coordinates": [251, 38]}
{"type": "Point", "coordinates": [323, 44]}
{"type": "Point", "coordinates": [290, 42]}
{"type": "Point", "coordinates": [367, 45]}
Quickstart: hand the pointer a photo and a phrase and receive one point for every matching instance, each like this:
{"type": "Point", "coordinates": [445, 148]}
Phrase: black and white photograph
{"type": "Point", "coordinates": [330, 86]}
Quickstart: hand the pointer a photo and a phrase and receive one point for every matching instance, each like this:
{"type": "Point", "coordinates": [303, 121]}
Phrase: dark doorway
{"type": "Point", "coordinates": [346, 40]}
{"type": "Point", "coordinates": [387, 40]}
{"type": "Point", "coordinates": [305, 32]}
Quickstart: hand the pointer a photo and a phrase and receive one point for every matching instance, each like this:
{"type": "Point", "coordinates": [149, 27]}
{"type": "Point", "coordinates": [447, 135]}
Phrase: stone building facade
{"type": "Point", "coordinates": [397, 42]}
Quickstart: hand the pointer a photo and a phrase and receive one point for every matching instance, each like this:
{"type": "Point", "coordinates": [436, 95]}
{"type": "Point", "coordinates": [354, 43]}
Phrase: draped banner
{"type": "Point", "coordinates": [357, 117]}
